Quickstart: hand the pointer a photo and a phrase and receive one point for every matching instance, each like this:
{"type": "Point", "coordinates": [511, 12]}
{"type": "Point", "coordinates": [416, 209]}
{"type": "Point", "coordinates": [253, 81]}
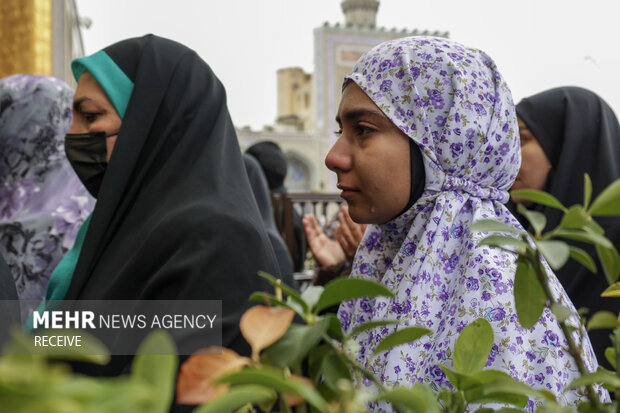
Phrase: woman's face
{"type": "Point", "coordinates": [535, 165]}
{"type": "Point", "coordinates": [371, 158]}
{"type": "Point", "coordinates": [93, 111]}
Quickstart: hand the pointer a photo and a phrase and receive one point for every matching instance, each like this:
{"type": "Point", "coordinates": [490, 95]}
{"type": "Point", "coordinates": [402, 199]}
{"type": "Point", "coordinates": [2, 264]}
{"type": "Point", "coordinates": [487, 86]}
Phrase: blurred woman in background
{"type": "Point", "coordinates": [565, 133]}
{"type": "Point", "coordinates": [42, 202]}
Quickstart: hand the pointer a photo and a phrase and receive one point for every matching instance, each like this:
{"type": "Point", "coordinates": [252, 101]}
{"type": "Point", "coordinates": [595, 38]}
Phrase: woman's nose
{"type": "Point", "coordinates": [339, 157]}
{"type": "Point", "coordinates": [76, 125]}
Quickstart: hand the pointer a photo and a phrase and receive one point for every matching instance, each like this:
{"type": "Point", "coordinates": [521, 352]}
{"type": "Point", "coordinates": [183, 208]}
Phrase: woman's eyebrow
{"type": "Point", "coordinates": [78, 102]}
{"type": "Point", "coordinates": [358, 113]}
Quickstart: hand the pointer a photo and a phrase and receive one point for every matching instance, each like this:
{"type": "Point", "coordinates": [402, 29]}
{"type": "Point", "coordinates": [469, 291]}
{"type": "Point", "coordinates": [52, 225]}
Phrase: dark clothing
{"type": "Point", "coordinates": [8, 309]}
{"type": "Point", "coordinates": [260, 190]}
{"type": "Point", "coordinates": [272, 160]}
{"type": "Point", "coordinates": [173, 218]}
{"type": "Point", "coordinates": [7, 285]}
{"type": "Point", "coordinates": [579, 133]}
{"type": "Point", "coordinates": [300, 244]}
{"type": "Point", "coordinates": [274, 164]}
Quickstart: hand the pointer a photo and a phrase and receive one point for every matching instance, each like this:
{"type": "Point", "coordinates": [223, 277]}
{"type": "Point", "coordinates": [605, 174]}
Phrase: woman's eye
{"type": "Point", "coordinates": [90, 117]}
{"type": "Point", "coordinates": [364, 130]}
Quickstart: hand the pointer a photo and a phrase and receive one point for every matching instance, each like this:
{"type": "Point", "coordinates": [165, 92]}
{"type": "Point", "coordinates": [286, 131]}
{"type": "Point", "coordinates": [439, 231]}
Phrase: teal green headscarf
{"type": "Point", "coordinates": [110, 77]}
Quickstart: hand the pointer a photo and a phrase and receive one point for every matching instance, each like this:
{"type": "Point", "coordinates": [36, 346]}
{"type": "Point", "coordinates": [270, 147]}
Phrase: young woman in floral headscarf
{"type": "Point", "coordinates": [429, 144]}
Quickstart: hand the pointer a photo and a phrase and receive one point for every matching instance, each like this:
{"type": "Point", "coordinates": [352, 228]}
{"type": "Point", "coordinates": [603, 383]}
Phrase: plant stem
{"type": "Point", "coordinates": [573, 349]}
{"type": "Point", "coordinates": [302, 408]}
{"type": "Point", "coordinates": [355, 364]}
{"type": "Point", "coordinates": [284, 407]}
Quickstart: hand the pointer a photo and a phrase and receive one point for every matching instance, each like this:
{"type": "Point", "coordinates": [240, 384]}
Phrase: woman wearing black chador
{"type": "Point", "coordinates": [566, 132]}
{"type": "Point", "coordinates": [175, 220]}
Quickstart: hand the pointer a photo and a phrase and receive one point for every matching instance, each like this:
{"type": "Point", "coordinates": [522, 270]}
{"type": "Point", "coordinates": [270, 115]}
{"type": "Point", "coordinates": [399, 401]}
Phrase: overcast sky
{"type": "Point", "coordinates": [537, 44]}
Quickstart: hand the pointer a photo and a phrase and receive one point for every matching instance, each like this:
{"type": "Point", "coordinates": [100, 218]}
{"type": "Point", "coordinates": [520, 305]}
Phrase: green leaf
{"type": "Point", "coordinates": [501, 240]}
{"type": "Point", "coordinates": [601, 376]}
{"type": "Point", "coordinates": [312, 294]}
{"type": "Point", "coordinates": [587, 190]}
{"type": "Point", "coordinates": [326, 392]}
{"type": "Point", "coordinates": [575, 218]}
{"type": "Point", "coordinates": [499, 382]}
{"type": "Point", "coordinates": [537, 220]}
{"type": "Point", "coordinates": [588, 237]}
{"type": "Point", "coordinates": [334, 368]}
{"type": "Point", "coordinates": [315, 361]}
{"type": "Point", "coordinates": [479, 395]}
{"type": "Point", "coordinates": [264, 406]}
{"type": "Point", "coordinates": [370, 325]}
{"type": "Point", "coordinates": [453, 402]}
{"type": "Point", "coordinates": [295, 344]}
{"type": "Point", "coordinates": [539, 197]}
{"type": "Point", "coordinates": [612, 291]}
{"type": "Point", "coordinates": [295, 306]}
{"type": "Point", "coordinates": [402, 336]}
{"type": "Point", "coordinates": [119, 394]}
{"type": "Point", "coordinates": [555, 252]}
{"type": "Point", "coordinates": [601, 320]}
{"type": "Point", "coordinates": [491, 375]}
{"type": "Point", "coordinates": [489, 225]}
{"type": "Point", "coordinates": [456, 379]}
{"type": "Point", "coordinates": [530, 297]}
{"type": "Point", "coordinates": [156, 364]}
{"type": "Point", "coordinates": [335, 328]}
{"type": "Point", "coordinates": [417, 399]}
{"type": "Point", "coordinates": [272, 301]}
{"type": "Point", "coordinates": [460, 381]}
{"type": "Point", "coordinates": [610, 260]}
{"type": "Point", "coordinates": [560, 312]}
{"type": "Point", "coordinates": [274, 379]}
{"type": "Point", "coordinates": [608, 201]}
{"type": "Point", "coordinates": [342, 289]}
{"type": "Point", "coordinates": [554, 408]}
{"type": "Point", "coordinates": [289, 291]}
{"type": "Point", "coordinates": [236, 398]}
{"type": "Point", "coordinates": [472, 348]}
{"type": "Point", "coordinates": [594, 227]}
{"type": "Point", "coordinates": [610, 355]}
{"type": "Point", "coordinates": [583, 258]}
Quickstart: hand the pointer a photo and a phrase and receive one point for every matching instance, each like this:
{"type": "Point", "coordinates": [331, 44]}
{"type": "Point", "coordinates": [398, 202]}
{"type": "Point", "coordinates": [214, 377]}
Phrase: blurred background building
{"type": "Point", "coordinates": [43, 36]}
{"type": "Point", "coordinates": [40, 37]}
{"type": "Point", "coordinates": [307, 102]}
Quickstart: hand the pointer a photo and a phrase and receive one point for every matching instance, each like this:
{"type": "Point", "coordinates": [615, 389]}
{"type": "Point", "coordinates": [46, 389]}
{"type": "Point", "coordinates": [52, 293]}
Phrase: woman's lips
{"type": "Point", "coordinates": [347, 191]}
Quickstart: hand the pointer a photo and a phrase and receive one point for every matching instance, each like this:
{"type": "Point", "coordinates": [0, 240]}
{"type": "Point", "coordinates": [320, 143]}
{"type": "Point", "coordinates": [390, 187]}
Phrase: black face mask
{"type": "Point", "coordinates": [87, 154]}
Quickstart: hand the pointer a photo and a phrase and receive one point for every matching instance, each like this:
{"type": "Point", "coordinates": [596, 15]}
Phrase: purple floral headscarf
{"type": "Point", "coordinates": [42, 201]}
{"type": "Point", "coordinates": [453, 103]}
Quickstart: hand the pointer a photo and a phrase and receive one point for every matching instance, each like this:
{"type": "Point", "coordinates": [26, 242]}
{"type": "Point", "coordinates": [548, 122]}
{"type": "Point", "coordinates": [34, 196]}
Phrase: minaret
{"type": "Point", "coordinates": [360, 13]}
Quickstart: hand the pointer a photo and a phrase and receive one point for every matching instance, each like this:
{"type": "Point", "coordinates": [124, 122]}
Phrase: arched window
{"type": "Point", "coordinates": [298, 178]}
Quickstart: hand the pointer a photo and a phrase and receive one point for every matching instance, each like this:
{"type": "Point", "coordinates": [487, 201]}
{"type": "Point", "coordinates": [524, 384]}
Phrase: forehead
{"type": "Point", "coordinates": [88, 87]}
{"type": "Point", "coordinates": [354, 98]}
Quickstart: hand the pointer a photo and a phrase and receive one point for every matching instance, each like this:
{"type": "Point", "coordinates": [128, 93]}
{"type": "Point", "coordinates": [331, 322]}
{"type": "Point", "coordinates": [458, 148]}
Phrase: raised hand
{"type": "Point", "coordinates": [326, 252]}
{"type": "Point", "coordinates": [348, 233]}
